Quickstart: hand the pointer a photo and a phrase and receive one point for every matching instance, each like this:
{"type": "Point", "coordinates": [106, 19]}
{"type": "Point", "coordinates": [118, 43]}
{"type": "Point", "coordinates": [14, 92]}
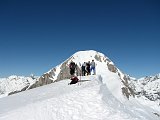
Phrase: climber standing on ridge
{"type": "Point", "coordinates": [88, 68]}
{"type": "Point", "coordinates": [84, 69]}
{"type": "Point", "coordinates": [74, 79]}
{"type": "Point", "coordinates": [93, 65]}
{"type": "Point", "coordinates": [72, 67]}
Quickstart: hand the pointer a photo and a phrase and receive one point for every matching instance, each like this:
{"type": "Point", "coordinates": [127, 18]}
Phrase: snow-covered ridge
{"type": "Point", "coordinates": [149, 87]}
{"type": "Point", "coordinates": [104, 67]}
{"type": "Point", "coordinates": [88, 100]}
{"type": "Point", "coordinates": [111, 85]}
{"type": "Point", "coordinates": [14, 84]}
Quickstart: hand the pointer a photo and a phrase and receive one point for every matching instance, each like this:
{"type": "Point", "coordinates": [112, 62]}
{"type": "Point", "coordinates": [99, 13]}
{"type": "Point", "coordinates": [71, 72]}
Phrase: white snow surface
{"type": "Point", "coordinates": [96, 97]}
{"type": "Point", "coordinates": [86, 100]}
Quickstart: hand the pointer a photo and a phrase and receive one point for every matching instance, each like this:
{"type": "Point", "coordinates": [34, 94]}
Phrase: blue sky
{"type": "Point", "coordinates": [36, 35]}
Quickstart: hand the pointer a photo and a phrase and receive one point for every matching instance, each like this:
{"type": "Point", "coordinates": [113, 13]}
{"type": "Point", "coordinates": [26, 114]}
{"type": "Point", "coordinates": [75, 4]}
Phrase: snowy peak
{"type": "Point", "coordinates": [62, 71]}
{"type": "Point", "coordinates": [149, 87]}
{"type": "Point", "coordinates": [101, 94]}
{"type": "Point", "coordinates": [150, 78]}
{"type": "Point", "coordinates": [104, 67]}
{"type": "Point", "coordinates": [88, 56]}
{"type": "Point", "coordinates": [14, 84]}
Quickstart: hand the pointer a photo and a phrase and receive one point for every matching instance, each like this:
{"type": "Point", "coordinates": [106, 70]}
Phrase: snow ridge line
{"type": "Point", "coordinates": [117, 106]}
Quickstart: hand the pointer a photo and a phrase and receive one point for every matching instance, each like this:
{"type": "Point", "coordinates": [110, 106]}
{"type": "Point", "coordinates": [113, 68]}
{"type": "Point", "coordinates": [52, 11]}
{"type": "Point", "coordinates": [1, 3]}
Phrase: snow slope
{"type": "Point", "coordinates": [88, 100]}
{"type": "Point", "coordinates": [108, 94]}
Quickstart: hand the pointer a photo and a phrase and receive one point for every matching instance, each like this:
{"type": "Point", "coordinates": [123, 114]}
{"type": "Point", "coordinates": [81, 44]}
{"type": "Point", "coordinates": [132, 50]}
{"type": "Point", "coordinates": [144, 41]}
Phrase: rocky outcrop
{"type": "Point", "coordinates": [64, 72]}
{"type": "Point", "coordinates": [101, 58]}
{"type": "Point", "coordinates": [13, 92]}
{"type": "Point", "coordinates": [51, 77]}
{"type": "Point", "coordinates": [112, 68]}
{"type": "Point", "coordinates": [43, 80]}
{"type": "Point", "coordinates": [127, 90]}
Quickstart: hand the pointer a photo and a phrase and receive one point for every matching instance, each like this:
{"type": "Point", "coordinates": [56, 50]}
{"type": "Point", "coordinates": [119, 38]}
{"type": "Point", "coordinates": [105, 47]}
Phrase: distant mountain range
{"type": "Point", "coordinates": [148, 87]}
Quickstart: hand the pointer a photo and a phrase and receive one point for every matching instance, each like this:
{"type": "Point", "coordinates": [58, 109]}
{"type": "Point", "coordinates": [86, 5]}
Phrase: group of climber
{"type": "Point", "coordinates": [86, 69]}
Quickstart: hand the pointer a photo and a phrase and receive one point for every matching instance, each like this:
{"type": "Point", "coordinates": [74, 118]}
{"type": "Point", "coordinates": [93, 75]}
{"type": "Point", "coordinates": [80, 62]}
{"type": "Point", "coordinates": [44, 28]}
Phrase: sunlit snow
{"type": "Point", "coordinates": [96, 97]}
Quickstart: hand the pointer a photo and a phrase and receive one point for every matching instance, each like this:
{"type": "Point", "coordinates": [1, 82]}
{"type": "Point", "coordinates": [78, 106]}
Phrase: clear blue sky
{"type": "Point", "coordinates": [36, 35]}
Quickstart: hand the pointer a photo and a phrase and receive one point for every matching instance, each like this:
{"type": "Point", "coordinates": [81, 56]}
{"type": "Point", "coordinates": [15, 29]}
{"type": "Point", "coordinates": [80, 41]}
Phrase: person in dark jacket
{"type": "Point", "coordinates": [88, 68]}
{"type": "Point", "coordinates": [84, 69]}
{"type": "Point", "coordinates": [74, 80]}
{"type": "Point", "coordinates": [72, 67]}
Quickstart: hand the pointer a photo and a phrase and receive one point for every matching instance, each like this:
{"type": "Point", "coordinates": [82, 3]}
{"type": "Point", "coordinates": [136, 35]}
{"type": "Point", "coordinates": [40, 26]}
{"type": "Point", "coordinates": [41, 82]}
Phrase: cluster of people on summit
{"type": "Point", "coordinates": [86, 68]}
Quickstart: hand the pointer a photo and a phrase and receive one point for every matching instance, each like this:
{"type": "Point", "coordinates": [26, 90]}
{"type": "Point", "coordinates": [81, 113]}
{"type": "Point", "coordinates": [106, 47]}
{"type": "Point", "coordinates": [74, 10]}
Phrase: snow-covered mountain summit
{"type": "Point", "coordinates": [104, 67]}
{"type": "Point", "coordinates": [114, 91]}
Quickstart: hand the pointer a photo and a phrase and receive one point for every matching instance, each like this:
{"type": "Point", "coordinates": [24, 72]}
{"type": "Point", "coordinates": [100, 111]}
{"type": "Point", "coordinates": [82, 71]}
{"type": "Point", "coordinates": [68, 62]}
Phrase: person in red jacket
{"type": "Point", "coordinates": [74, 80]}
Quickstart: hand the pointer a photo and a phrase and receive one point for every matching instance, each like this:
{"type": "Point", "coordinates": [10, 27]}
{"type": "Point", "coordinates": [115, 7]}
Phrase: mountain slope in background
{"type": "Point", "coordinates": [15, 84]}
{"type": "Point", "coordinates": [148, 87]}
{"type": "Point", "coordinates": [116, 85]}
